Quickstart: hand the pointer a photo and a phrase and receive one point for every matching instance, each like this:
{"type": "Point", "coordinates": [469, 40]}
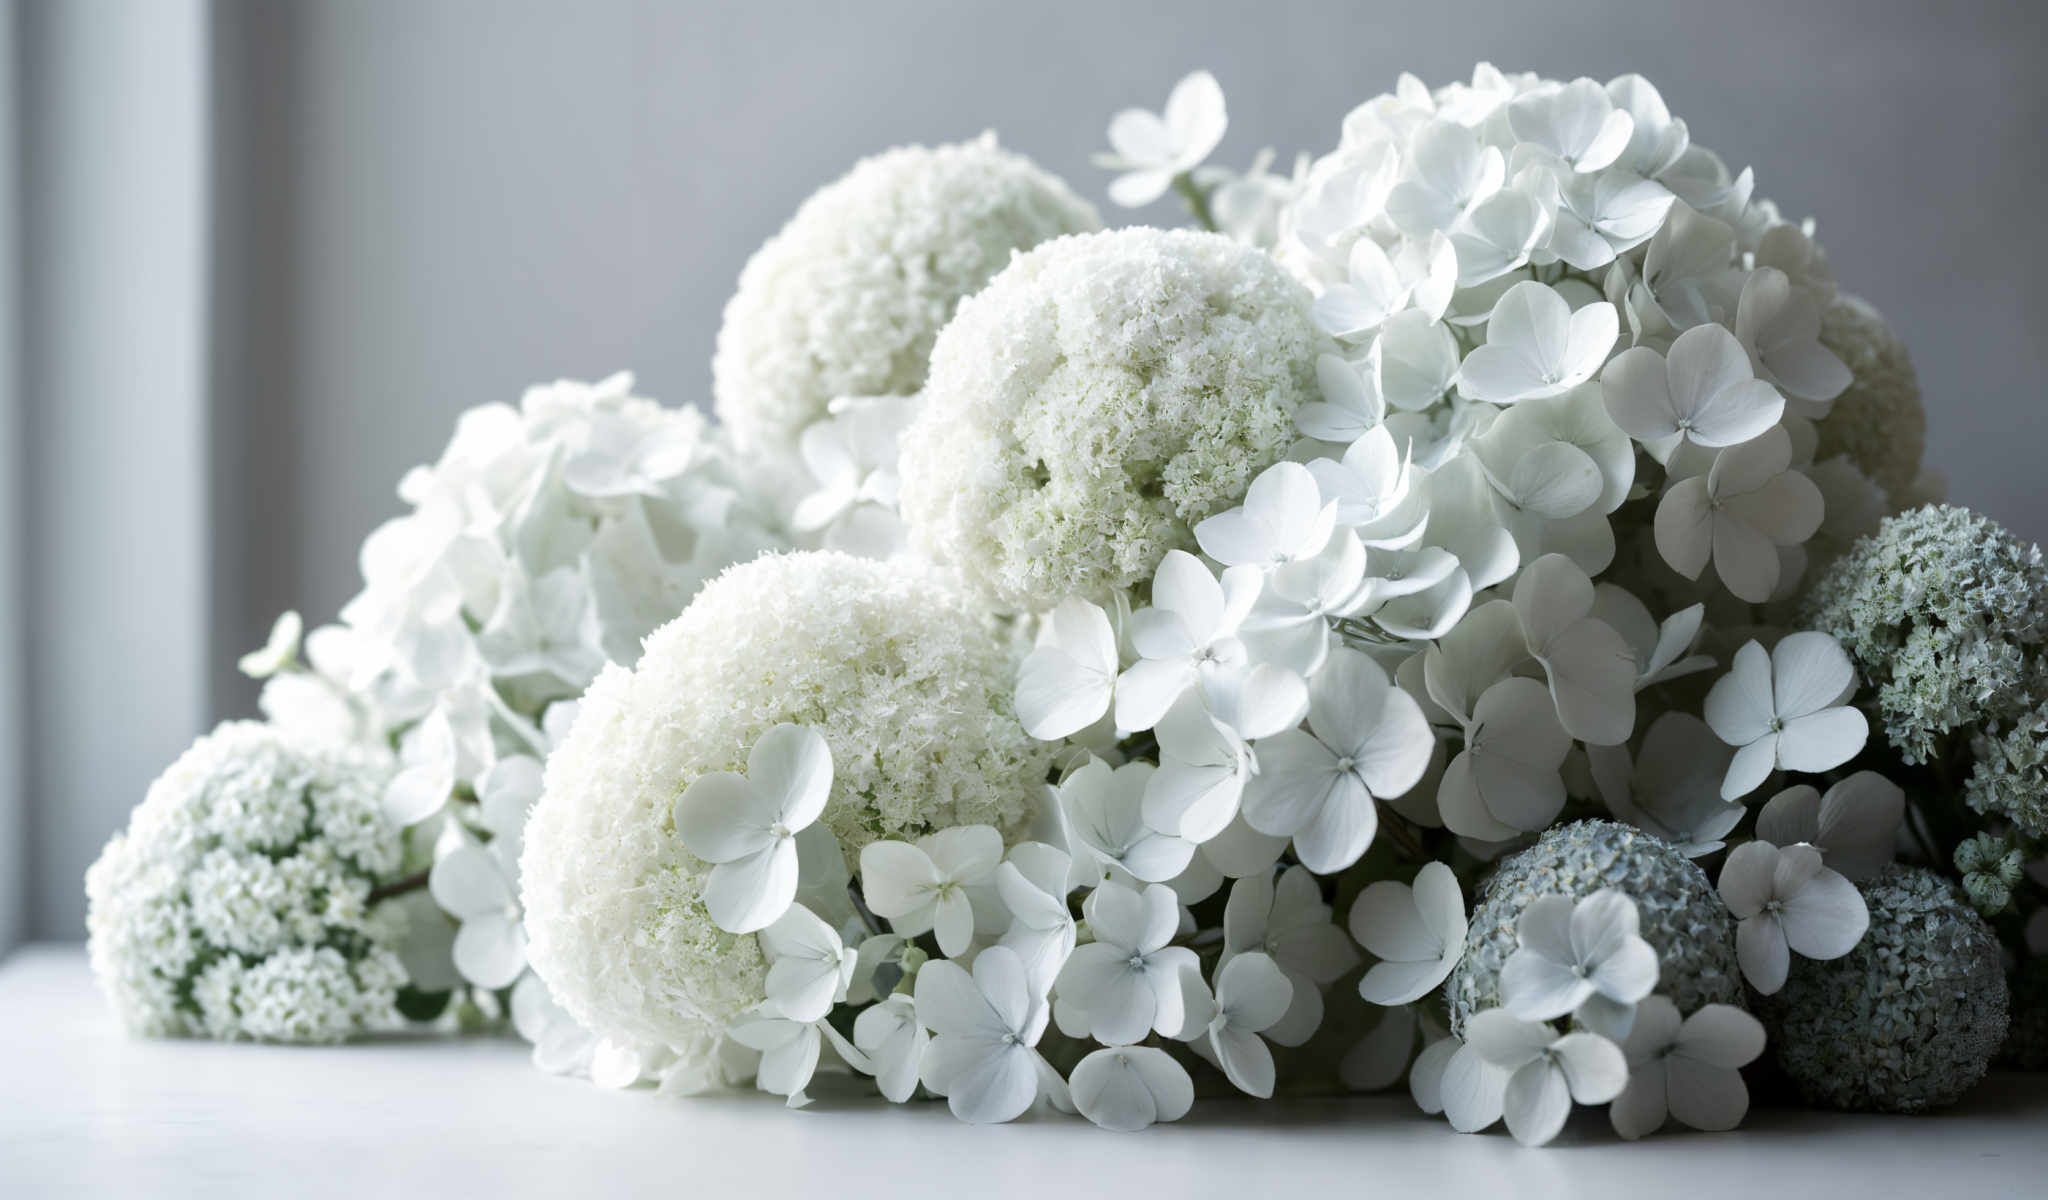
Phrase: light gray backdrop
{"type": "Point", "coordinates": [335, 225]}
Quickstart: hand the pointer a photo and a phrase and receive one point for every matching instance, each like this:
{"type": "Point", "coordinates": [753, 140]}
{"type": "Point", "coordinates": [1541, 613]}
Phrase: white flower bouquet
{"type": "Point", "coordinates": [1470, 613]}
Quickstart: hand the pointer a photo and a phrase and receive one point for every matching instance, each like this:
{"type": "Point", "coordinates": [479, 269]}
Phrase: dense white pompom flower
{"type": "Point", "coordinates": [237, 904]}
{"type": "Point", "coordinates": [910, 691]}
{"type": "Point", "coordinates": [847, 298]}
{"type": "Point", "coordinates": [1103, 395]}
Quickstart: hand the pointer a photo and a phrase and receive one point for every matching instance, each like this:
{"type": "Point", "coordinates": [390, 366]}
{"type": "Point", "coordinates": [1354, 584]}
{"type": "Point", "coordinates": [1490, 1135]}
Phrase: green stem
{"type": "Point", "coordinates": [1196, 199]}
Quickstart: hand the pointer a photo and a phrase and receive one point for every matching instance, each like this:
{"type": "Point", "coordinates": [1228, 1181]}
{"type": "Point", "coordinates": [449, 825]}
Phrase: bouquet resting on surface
{"type": "Point", "coordinates": [1469, 612]}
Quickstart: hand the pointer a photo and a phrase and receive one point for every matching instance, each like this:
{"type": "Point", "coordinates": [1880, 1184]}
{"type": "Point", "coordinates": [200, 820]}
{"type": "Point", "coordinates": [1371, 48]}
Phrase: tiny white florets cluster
{"type": "Point", "coordinates": [848, 298]}
{"type": "Point", "coordinates": [1106, 393]}
{"type": "Point", "coordinates": [907, 687]}
{"type": "Point", "coordinates": [238, 902]}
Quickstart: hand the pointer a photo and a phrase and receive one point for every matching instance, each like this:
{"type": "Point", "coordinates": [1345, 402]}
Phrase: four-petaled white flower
{"type": "Point", "coordinates": [1575, 121]}
{"type": "Point", "coordinates": [1417, 933]}
{"type": "Point", "coordinates": [1855, 826]}
{"type": "Point", "coordinates": [1365, 739]}
{"type": "Point", "coordinates": [1065, 683]}
{"type": "Point", "coordinates": [1505, 781]}
{"type": "Point", "coordinates": [1127, 1088]}
{"type": "Point", "coordinates": [809, 967]}
{"type": "Point", "coordinates": [1690, 1069]}
{"type": "Point", "coordinates": [1289, 922]}
{"type": "Point", "coordinates": [1128, 980]}
{"type": "Point", "coordinates": [1592, 674]}
{"type": "Point", "coordinates": [1537, 346]}
{"type": "Point", "coordinates": [790, 1050]}
{"type": "Point", "coordinates": [1586, 959]}
{"type": "Point", "coordinates": [1152, 149]}
{"type": "Point", "coordinates": [544, 625]}
{"type": "Point", "coordinates": [1673, 787]}
{"type": "Point", "coordinates": [1746, 506]}
{"type": "Point", "coordinates": [747, 825]}
{"type": "Point", "coordinates": [1252, 995]}
{"type": "Point", "coordinates": [929, 885]}
{"type": "Point", "coordinates": [983, 1055]}
{"type": "Point", "coordinates": [1702, 391]}
{"type": "Point", "coordinates": [894, 1041]}
{"type": "Point", "coordinates": [1786, 708]}
{"type": "Point", "coordinates": [1283, 519]}
{"type": "Point", "coordinates": [477, 888]}
{"type": "Point", "coordinates": [1203, 768]}
{"type": "Point", "coordinates": [1545, 1074]}
{"type": "Point", "coordinates": [1104, 812]}
{"type": "Point", "coordinates": [1450, 170]}
{"type": "Point", "coordinates": [1188, 632]}
{"type": "Point", "coordinates": [1032, 884]}
{"type": "Point", "coordinates": [1786, 902]}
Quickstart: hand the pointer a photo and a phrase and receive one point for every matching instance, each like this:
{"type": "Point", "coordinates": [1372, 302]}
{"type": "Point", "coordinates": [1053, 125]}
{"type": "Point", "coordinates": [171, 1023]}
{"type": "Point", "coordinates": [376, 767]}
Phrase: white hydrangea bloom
{"type": "Point", "coordinates": [910, 690]}
{"type": "Point", "coordinates": [847, 298]}
{"type": "Point", "coordinates": [237, 904]}
{"type": "Point", "coordinates": [1103, 395]}
{"type": "Point", "coordinates": [549, 538]}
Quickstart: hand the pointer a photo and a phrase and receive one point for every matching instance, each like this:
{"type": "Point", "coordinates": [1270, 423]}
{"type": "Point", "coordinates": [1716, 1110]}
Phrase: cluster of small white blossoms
{"type": "Point", "coordinates": [550, 539]}
{"type": "Point", "coordinates": [240, 902]}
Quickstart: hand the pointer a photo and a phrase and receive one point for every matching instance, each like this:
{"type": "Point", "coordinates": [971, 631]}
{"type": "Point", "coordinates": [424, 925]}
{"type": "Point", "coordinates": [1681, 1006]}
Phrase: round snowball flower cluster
{"type": "Point", "coordinates": [239, 901]}
{"type": "Point", "coordinates": [1878, 421]}
{"type": "Point", "coordinates": [1908, 1020]}
{"type": "Point", "coordinates": [1944, 612]}
{"type": "Point", "coordinates": [1683, 918]}
{"type": "Point", "coordinates": [906, 686]}
{"type": "Point", "coordinates": [1105, 394]}
{"type": "Point", "coordinates": [847, 299]}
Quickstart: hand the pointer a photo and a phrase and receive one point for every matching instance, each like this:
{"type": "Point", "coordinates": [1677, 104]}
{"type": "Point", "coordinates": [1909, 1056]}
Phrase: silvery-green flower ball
{"type": "Point", "coordinates": [1910, 1018]}
{"type": "Point", "coordinates": [1683, 918]}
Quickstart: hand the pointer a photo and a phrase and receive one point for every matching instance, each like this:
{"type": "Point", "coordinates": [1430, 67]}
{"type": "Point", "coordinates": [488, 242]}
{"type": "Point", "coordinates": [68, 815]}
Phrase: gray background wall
{"type": "Point", "coordinates": [409, 208]}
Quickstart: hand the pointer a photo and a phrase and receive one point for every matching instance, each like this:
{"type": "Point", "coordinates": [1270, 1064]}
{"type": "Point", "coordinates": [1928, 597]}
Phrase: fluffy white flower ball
{"type": "Point", "coordinates": [909, 689]}
{"type": "Point", "coordinates": [237, 903]}
{"type": "Point", "coordinates": [1879, 421]}
{"type": "Point", "coordinates": [1103, 394]}
{"type": "Point", "coordinates": [846, 300]}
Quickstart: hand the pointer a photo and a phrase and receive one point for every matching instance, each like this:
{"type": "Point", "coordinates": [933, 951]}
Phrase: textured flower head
{"type": "Point", "coordinates": [1103, 395]}
{"type": "Point", "coordinates": [1932, 997]}
{"type": "Point", "coordinates": [237, 902]}
{"type": "Point", "coordinates": [909, 690]}
{"type": "Point", "coordinates": [1944, 612]}
{"type": "Point", "coordinates": [847, 299]}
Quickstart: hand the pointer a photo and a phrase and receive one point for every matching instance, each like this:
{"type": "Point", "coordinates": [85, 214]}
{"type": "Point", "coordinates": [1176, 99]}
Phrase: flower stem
{"type": "Point", "coordinates": [1196, 199]}
{"type": "Point", "coordinates": [398, 887]}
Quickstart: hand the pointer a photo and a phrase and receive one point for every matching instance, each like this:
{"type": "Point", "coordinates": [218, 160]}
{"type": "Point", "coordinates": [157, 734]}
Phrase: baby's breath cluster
{"type": "Point", "coordinates": [1945, 613]}
{"type": "Point", "coordinates": [848, 298]}
{"type": "Point", "coordinates": [237, 904]}
{"type": "Point", "coordinates": [1104, 394]}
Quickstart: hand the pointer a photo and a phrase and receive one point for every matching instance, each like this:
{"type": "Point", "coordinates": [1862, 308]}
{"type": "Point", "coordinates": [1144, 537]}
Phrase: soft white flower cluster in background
{"type": "Point", "coordinates": [549, 539]}
{"type": "Point", "coordinates": [1372, 637]}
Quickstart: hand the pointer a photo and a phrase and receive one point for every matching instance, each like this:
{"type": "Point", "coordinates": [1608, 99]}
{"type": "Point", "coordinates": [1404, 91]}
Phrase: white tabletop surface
{"type": "Point", "coordinates": [87, 1111]}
